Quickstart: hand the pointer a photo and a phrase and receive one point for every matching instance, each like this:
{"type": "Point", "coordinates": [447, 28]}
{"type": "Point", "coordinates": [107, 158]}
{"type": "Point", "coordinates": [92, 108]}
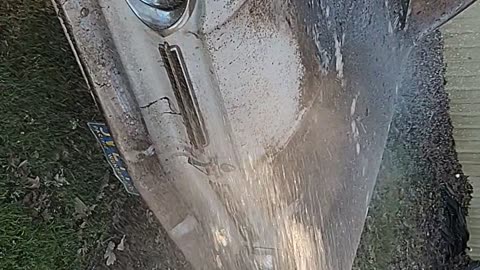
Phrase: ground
{"type": "Point", "coordinates": [61, 208]}
{"type": "Point", "coordinates": [417, 215]}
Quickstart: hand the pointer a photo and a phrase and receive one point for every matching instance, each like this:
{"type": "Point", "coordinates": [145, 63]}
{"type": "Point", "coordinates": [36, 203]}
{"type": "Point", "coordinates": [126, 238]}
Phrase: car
{"type": "Point", "coordinates": [268, 119]}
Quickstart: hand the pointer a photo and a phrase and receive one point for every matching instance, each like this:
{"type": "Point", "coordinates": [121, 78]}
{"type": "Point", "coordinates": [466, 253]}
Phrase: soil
{"type": "Point", "coordinates": [417, 217]}
{"type": "Point", "coordinates": [146, 244]}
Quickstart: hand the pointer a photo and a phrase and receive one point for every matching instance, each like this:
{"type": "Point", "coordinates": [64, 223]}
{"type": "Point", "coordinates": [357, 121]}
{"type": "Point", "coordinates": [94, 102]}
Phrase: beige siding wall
{"type": "Point", "coordinates": [462, 56]}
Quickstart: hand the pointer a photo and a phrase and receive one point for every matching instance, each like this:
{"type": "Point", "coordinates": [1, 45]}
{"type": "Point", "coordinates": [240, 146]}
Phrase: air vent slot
{"type": "Point", "coordinates": [185, 95]}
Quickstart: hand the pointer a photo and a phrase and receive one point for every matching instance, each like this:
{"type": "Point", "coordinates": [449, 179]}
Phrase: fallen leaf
{"type": "Point", "coordinates": [35, 155]}
{"type": "Point", "coordinates": [150, 217]}
{"type": "Point", "coordinates": [109, 255]}
{"type": "Point", "coordinates": [60, 179]}
{"type": "Point", "coordinates": [23, 163]}
{"type": "Point", "coordinates": [74, 123]}
{"type": "Point", "coordinates": [46, 215]}
{"type": "Point", "coordinates": [82, 251]}
{"type": "Point", "coordinates": [33, 183]}
{"type": "Point", "coordinates": [121, 245]}
{"type": "Point", "coordinates": [81, 209]}
{"type": "Point", "coordinates": [83, 225]}
{"type": "Point", "coordinates": [28, 199]}
{"type": "Point", "coordinates": [22, 169]}
{"type": "Point", "coordinates": [106, 179]}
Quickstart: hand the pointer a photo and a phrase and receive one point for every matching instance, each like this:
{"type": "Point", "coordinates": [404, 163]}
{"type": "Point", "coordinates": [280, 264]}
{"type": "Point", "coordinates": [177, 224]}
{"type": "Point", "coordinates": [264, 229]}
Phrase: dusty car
{"type": "Point", "coordinates": [268, 119]}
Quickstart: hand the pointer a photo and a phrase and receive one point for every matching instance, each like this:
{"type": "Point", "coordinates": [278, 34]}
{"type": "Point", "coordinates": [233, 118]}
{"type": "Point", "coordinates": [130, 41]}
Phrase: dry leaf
{"type": "Point", "coordinates": [81, 209]}
{"type": "Point", "coordinates": [46, 215]}
{"type": "Point", "coordinates": [23, 163]}
{"type": "Point", "coordinates": [74, 124]}
{"type": "Point", "coordinates": [35, 155]}
{"type": "Point", "coordinates": [109, 255]}
{"type": "Point", "coordinates": [82, 251]}
{"type": "Point", "coordinates": [33, 183]}
{"type": "Point", "coordinates": [23, 169]}
{"type": "Point", "coordinates": [106, 179]}
{"type": "Point", "coordinates": [83, 225]}
{"type": "Point", "coordinates": [121, 246]}
{"type": "Point", "coordinates": [60, 179]}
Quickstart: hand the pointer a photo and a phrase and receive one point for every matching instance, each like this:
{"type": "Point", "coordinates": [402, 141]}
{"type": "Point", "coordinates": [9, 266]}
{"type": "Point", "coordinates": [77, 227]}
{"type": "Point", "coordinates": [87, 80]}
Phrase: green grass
{"type": "Point", "coordinates": [25, 246]}
{"type": "Point", "coordinates": [390, 227]}
{"type": "Point", "coordinates": [44, 108]}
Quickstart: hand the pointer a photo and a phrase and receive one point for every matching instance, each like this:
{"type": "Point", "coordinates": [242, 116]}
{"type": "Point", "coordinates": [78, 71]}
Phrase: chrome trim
{"type": "Point", "coordinates": [165, 22]}
{"type": "Point", "coordinates": [160, 4]}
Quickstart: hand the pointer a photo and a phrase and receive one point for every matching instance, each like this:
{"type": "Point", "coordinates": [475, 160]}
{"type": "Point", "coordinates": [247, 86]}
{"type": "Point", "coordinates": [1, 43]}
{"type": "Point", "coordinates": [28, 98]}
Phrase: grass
{"type": "Point", "coordinates": [48, 158]}
{"type": "Point", "coordinates": [390, 227]}
{"type": "Point", "coordinates": [417, 214]}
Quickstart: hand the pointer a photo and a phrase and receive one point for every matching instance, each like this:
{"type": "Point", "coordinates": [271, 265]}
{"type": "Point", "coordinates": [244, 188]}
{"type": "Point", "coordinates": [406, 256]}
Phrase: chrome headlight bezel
{"type": "Point", "coordinates": [163, 21]}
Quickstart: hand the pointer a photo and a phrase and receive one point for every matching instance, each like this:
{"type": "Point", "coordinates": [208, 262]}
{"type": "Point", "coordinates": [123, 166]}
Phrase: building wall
{"type": "Point", "coordinates": [462, 57]}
